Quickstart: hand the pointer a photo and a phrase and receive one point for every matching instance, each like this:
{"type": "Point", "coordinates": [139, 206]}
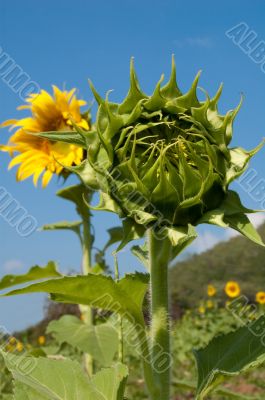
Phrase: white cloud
{"type": "Point", "coordinates": [205, 241]}
{"type": "Point", "coordinates": [205, 42]}
{"type": "Point", "coordinates": [230, 233]}
{"type": "Point", "coordinates": [13, 265]}
{"type": "Point", "coordinates": [257, 219]}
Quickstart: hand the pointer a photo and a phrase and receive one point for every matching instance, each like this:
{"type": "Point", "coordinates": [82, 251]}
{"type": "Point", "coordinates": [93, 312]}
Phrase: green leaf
{"type": "Point", "coordinates": [86, 173]}
{"type": "Point", "coordinates": [230, 355]}
{"type": "Point", "coordinates": [239, 159]}
{"type": "Point", "coordinates": [232, 204]}
{"type": "Point", "coordinates": [141, 252]}
{"type": "Point", "coordinates": [106, 203]}
{"type": "Point", "coordinates": [109, 384]}
{"type": "Point", "coordinates": [231, 213]}
{"type": "Point", "coordinates": [180, 238]}
{"type": "Point", "coordinates": [35, 273]}
{"type": "Point", "coordinates": [77, 194]}
{"type": "Point", "coordinates": [125, 296]}
{"type": "Point", "coordinates": [221, 391]}
{"type": "Point", "coordinates": [242, 224]}
{"type": "Point", "coordinates": [116, 235]}
{"type": "Point", "coordinates": [131, 231]}
{"type": "Point", "coordinates": [63, 379]}
{"type": "Point", "coordinates": [64, 225]}
{"type": "Point", "coordinates": [70, 137]}
{"type": "Point", "coordinates": [100, 341]}
{"type": "Point", "coordinates": [24, 392]}
{"type": "Point", "coordinates": [99, 268]}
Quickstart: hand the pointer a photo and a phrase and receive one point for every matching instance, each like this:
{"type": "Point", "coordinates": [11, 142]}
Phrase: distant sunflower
{"type": "Point", "coordinates": [211, 290]}
{"type": "Point", "coordinates": [260, 297]}
{"type": "Point", "coordinates": [41, 340]}
{"type": "Point", "coordinates": [209, 304]}
{"type": "Point", "coordinates": [201, 309]}
{"type": "Point", "coordinates": [232, 289]}
{"type": "Point", "coordinates": [19, 347]}
{"type": "Point", "coordinates": [38, 156]}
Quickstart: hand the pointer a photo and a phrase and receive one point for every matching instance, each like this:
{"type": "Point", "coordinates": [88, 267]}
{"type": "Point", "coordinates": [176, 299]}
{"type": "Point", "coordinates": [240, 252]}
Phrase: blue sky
{"type": "Point", "coordinates": [65, 43]}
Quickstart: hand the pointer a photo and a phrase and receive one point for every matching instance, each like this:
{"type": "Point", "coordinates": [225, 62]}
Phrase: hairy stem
{"type": "Point", "coordinates": [159, 258]}
{"type": "Point", "coordinates": [121, 348]}
{"type": "Point", "coordinates": [143, 343]}
{"type": "Point", "coordinates": [86, 311]}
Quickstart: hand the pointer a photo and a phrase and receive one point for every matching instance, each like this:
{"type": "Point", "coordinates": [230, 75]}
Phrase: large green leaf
{"type": "Point", "coordinates": [124, 297]}
{"type": "Point", "coordinates": [35, 273]}
{"type": "Point", "coordinates": [109, 383]}
{"type": "Point", "coordinates": [101, 341]}
{"type": "Point", "coordinates": [25, 392]}
{"type": "Point", "coordinates": [230, 355]}
{"type": "Point", "coordinates": [63, 379]}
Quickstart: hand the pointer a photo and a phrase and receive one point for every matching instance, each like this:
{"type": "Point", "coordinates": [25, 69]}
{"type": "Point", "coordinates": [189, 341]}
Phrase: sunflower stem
{"type": "Point", "coordinates": [87, 312]}
{"type": "Point", "coordinates": [150, 382]}
{"type": "Point", "coordinates": [159, 258]}
{"type": "Point", "coordinates": [121, 347]}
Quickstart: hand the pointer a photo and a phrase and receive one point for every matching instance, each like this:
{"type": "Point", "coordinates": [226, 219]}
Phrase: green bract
{"type": "Point", "coordinates": [164, 160]}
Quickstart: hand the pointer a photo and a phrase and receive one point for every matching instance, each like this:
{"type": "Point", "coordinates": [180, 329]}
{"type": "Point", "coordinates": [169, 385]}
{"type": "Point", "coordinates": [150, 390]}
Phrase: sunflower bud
{"type": "Point", "coordinates": [165, 159]}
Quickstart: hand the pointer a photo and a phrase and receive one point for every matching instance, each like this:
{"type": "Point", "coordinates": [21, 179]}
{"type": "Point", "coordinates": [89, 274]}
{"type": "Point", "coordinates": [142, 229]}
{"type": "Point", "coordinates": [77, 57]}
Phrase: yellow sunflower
{"type": "Point", "coordinates": [209, 304]}
{"type": "Point", "coordinates": [211, 290]}
{"type": "Point", "coordinates": [201, 309]}
{"type": "Point", "coordinates": [260, 297]}
{"type": "Point", "coordinates": [38, 156]}
{"type": "Point", "coordinates": [232, 289]}
{"type": "Point", "coordinates": [41, 340]}
{"type": "Point", "coordinates": [19, 347]}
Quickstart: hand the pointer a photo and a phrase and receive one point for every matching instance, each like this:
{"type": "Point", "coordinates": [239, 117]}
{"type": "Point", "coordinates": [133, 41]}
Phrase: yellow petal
{"type": "Point", "coordinates": [36, 176]}
{"type": "Point", "coordinates": [8, 122]}
{"type": "Point", "coordinates": [47, 176]}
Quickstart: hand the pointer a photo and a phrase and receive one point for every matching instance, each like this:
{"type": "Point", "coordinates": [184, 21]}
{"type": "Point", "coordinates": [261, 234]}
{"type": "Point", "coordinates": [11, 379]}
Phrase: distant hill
{"type": "Point", "coordinates": [237, 259]}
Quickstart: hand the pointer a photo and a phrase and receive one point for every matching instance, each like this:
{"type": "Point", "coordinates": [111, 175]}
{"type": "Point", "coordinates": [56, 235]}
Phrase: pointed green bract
{"type": "Point", "coordinates": [77, 194]}
{"type": "Point", "coordinates": [141, 252]}
{"type": "Point", "coordinates": [66, 137]}
{"type": "Point", "coordinates": [232, 214]}
{"type": "Point", "coordinates": [115, 235]}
